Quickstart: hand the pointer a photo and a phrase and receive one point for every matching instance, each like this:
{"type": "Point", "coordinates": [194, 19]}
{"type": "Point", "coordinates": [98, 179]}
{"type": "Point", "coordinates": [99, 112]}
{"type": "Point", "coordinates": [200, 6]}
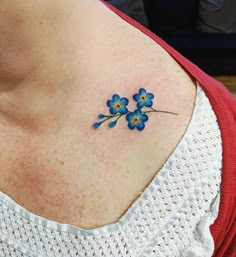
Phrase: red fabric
{"type": "Point", "coordinates": [224, 104]}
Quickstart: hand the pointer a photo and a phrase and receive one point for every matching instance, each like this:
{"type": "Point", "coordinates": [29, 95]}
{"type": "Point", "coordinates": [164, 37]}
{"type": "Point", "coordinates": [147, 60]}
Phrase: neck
{"type": "Point", "coordinates": [55, 68]}
{"type": "Point", "coordinates": [47, 57]}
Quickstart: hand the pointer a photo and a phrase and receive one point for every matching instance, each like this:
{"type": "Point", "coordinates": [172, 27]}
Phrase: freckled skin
{"type": "Point", "coordinates": [46, 193]}
{"type": "Point", "coordinates": [62, 162]}
{"type": "Point", "coordinates": [39, 182]}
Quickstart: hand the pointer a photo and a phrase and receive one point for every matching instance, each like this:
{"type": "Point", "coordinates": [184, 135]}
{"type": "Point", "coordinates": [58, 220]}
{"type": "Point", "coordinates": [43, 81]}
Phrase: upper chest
{"type": "Point", "coordinates": [68, 185]}
{"type": "Point", "coordinates": [71, 183]}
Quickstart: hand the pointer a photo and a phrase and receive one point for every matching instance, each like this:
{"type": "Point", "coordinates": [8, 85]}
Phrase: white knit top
{"type": "Point", "coordinates": [170, 218]}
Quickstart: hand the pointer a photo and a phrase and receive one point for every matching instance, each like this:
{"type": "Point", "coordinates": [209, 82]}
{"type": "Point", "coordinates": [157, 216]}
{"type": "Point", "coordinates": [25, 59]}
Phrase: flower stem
{"type": "Point", "coordinates": [119, 117]}
{"type": "Point", "coordinates": [153, 110]}
{"type": "Point", "coordinates": [109, 117]}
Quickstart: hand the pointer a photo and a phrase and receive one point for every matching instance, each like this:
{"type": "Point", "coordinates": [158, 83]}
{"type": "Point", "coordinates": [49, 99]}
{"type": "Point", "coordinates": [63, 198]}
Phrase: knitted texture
{"type": "Point", "coordinates": [224, 104]}
{"type": "Point", "coordinates": [171, 217]}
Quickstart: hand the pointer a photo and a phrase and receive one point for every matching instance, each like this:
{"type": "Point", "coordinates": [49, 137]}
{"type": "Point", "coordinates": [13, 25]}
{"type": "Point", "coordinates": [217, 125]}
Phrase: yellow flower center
{"type": "Point", "coordinates": [118, 105]}
{"type": "Point", "coordinates": [136, 120]}
{"type": "Point", "coordinates": [143, 97]}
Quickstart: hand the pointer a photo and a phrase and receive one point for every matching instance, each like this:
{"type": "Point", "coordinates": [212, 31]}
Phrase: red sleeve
{"type": "Point", "coordinates": [224, 105]}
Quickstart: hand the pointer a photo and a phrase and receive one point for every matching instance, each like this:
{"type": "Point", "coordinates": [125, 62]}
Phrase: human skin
{"type": "Point", "coordinates": [59, 64]}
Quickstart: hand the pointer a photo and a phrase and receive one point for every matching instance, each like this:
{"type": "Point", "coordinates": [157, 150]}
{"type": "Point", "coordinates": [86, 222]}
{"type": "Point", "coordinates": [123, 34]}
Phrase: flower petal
{"type": "Point", "coordinates": [142, 91]}
{"type": "Point", "coordinates": [115, 98]}
{"type": "Point", "coordinates": [140, 104]}
{"type": "Point", "coordinates": [140, 126]}
{"type": "Point", "coordinates": [124, 101]}
{"type": "Point", "coordinates": [144, 118]}
{"type": "Point", "coordinates": [131, 125]}
{"type": "Point", "coordinates": [148, 103]}
{"type": "Point", "coordinates": [137, 112]}
{"type": "Point", "coordinates": [136, 97]}
{"type": "Point", "coordinates": [123, 110]}
{"type": "Point", "coordinates": [109, 103]}
{"type": "Point", "coordinates": [129, 116]}
{"type": "Point", "coordinates": [150, 96]}
{"type": "Point", "coordinates": [113, 111]}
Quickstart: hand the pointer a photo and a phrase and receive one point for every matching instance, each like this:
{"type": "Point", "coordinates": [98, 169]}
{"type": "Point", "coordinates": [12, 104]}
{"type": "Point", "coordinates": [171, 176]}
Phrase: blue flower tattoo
{"type": "Point", "coordinates": [118, 105]}
{"type": "Point", "coordinates": [136, 119]}
{"type": "Point", "coordinates": [143, 98]}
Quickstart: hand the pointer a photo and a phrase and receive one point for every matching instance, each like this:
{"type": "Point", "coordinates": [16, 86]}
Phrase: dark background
{"type": "Point", "coordinates": [176, 22]}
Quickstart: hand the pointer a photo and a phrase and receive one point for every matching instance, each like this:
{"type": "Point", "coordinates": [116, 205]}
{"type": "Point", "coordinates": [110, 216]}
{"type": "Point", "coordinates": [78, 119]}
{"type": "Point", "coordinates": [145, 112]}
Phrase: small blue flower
{"type": "Point", "coordinates": [118, 105]}
{"type": "Point", "coordinates": [143, 98]}
{"type": "Point", "coordinates": [136, 119]}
